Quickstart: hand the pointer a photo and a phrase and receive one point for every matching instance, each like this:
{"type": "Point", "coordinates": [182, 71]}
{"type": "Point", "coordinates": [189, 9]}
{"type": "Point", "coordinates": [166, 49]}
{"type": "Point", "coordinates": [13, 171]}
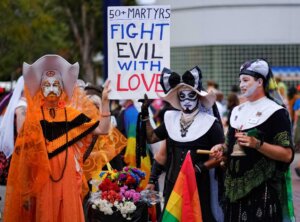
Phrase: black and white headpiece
{"type": "Point", "coordinates": [257, 68]}
{"type": "Point", "coordinates": [171, 82]}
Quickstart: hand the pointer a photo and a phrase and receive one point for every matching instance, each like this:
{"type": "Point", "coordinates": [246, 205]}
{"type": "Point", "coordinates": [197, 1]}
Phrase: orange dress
{"type": "Point", "coordinates": [48, 147]}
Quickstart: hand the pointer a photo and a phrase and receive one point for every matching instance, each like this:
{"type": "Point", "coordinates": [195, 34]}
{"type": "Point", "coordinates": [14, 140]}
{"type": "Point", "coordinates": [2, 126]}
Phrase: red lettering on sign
{"type": "Point", "coordinates": [119, 84]}
{"type": "Point", "coordinates": [148, 87]}
{"type": "Point", "coordinates": [158, 87]}
{"type": "Point", "coordinates": [130, 82]}
{"type": "Point", "coordinates": [137, 81]}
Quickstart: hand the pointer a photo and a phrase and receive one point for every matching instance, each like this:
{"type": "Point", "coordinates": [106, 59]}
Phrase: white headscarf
{"type": "Point", "coordinates": [7, 123]}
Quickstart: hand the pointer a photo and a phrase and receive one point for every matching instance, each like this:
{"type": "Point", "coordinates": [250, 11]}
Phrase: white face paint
{"type": "Point", "coordinates": [188, 100]}
{"type": "Point", "coordinates": [248, 85]}
{"type": "Point", "coordinates": [52, 86]}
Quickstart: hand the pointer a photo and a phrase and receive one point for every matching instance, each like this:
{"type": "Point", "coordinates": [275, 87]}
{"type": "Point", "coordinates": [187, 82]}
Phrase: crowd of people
{"type": "Point", "coordinates": [57, 132]}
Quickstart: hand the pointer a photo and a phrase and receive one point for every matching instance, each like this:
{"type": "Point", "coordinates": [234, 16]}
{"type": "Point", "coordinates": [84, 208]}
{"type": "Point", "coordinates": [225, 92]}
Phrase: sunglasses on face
{"type": "Point", "coordinates": [187, 95]}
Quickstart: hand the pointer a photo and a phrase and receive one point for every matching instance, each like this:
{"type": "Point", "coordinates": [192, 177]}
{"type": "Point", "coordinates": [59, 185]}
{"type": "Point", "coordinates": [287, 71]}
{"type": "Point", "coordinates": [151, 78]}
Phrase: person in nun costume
{"type": "Point", "coordinates": [191, 125]}
{"type": "Point", "coordinates": [46, 177]}
{"type": "Point", "coordinates": [259, 151]}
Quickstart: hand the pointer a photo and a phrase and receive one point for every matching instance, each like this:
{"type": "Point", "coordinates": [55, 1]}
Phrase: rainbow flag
{"type": "Point", "coordinates": [184, 204]}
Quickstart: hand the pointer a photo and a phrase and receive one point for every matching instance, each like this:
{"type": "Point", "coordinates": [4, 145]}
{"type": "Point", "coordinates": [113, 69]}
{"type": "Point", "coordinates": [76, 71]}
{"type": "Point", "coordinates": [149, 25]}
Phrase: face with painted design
{"type": "Point", "coordinates": [51, 88]}
{"type": "Point", "coordinates": [188, 100]}
{"type": "Point", "coordinates": [249, 85]}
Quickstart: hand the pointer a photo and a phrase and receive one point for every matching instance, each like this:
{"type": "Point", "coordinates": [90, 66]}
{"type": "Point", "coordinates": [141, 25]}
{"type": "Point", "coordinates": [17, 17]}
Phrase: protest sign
{"type": "Point", "coordinates": [138, 50]}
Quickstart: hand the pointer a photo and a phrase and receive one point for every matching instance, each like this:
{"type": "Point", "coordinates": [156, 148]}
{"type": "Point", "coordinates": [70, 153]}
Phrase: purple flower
{"type": "Point", "coordinates": [126, 169]}
{"type": "Point", "coordinates": [122, 177]}
{"type": "Point", "coordinates": [123, 190]}
{"type": "Point", "coordinates": [136, 197]}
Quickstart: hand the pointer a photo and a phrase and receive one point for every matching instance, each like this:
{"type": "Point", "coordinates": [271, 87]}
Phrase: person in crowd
{"type": "Point", "coordinates": [232, 101]}
{"type": "Point", "coordinates": [221, 106]}
{"type": "Point", "coordinates": [292, 96]}
{"type": "Point", "coordinates": [213, 87]}
{"type": "Point", "coordinates": [3, 103]}
{"type": "Point", "coordinates": [188, 127]}
{"type": "Point", "coordinates": [161, 112]}
{"type": "Point", "coordinates": [234, 89]}
{"type": "Point", "coordinates": [115, 111]}
{"type": "Point", "coordinates": [106, 148]}
{"type": "Point", "coordinates": [3, 94]}
{"type": "Point", "coordinates": [282, 89]}
{"type": "Point", "coordinates": [258, 150]}
{"type": "Point", "coordinates": [45, 177]}
{"type": "Point", "coordinates": [127, 124]}
{"type": "Point", "coordinates": [295, 115]}
{"type": "Point", "coordinates": [13, 119]}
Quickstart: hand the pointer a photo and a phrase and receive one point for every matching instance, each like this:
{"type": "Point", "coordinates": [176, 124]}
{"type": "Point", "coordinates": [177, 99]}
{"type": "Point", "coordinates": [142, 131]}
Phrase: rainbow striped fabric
{"type": "Point", "coordinates": [184, 204]}
{"type": "Point", "coordinates": [130, 121]}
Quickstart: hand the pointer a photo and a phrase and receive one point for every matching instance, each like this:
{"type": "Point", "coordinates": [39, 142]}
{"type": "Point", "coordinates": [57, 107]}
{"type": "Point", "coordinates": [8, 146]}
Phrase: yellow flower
{"type": "Point", "coordinates": [114, 175]}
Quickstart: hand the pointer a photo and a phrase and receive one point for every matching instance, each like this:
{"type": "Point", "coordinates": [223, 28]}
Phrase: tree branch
{"type": "Point", "coordinates": [74, 28]}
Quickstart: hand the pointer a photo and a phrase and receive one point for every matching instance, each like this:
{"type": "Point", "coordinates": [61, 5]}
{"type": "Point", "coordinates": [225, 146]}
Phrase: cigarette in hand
{"type": "Point", "coordinates": [204, 152]}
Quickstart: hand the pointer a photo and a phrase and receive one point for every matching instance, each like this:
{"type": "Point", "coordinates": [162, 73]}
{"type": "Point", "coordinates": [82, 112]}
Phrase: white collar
{"type": "Point", "coordinates": [202, 123]}
{"type": "Point", "coordinates": [251, 114]}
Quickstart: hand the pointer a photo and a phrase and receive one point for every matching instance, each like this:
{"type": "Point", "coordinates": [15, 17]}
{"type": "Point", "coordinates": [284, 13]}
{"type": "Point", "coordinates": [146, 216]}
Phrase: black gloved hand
{"type": "Point", "coordinates": [156, 170]}
{"type": "Point", "coordinates": [145, 106]}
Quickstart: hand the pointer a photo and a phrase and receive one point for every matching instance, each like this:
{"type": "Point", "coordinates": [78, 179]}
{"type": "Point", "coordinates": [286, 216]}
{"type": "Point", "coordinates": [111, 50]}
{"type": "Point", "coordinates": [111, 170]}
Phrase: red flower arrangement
{"type": "Point", "coordinates": [107, 185]}
{"type": "Point", "coordinates": [111, 196]}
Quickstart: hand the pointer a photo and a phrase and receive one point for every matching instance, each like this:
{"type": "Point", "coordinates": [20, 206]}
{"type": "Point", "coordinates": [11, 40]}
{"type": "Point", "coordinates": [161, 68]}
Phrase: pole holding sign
{"type": "Point", "coordinates": [138, 50]}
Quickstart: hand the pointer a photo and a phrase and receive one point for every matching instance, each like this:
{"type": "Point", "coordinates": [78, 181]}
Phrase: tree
{"type": "Point", "coordinates": [86, 23]}
{"type": "Point", "coordinates": [28, 30]}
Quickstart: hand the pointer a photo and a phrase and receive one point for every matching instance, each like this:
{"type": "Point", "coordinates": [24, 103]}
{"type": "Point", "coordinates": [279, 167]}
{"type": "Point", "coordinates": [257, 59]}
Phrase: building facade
{"type": "Point", "coordinates": [219, 35]}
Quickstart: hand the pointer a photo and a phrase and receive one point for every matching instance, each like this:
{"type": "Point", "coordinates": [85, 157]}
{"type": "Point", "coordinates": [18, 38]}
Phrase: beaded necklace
{"type": "Point", "coordinates": [186, 121]}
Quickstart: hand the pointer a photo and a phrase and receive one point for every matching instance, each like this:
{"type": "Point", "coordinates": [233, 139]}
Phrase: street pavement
{"type": "Point", "coordinates": [295, 181]}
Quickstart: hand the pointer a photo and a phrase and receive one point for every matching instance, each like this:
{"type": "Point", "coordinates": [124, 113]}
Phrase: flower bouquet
{"type": "Point", "coordinates": [118, 192]}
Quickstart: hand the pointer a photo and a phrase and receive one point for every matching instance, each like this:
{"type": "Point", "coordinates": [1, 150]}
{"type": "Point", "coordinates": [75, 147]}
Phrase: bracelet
{"type": "Point", "coordinates": [106, 114]}
{"type": "Point", "coordinates": [258, 144]}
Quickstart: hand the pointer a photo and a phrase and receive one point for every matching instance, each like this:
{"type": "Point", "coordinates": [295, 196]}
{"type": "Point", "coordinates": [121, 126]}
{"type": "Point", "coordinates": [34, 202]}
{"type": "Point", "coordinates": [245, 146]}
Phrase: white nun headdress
{"type": "Point", "coordinates": [33, 73]}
